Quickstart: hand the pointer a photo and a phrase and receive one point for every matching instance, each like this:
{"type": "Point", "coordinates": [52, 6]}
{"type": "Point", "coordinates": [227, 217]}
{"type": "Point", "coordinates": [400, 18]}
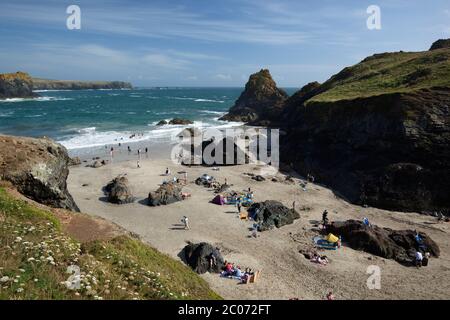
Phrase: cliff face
{"type": "Point", "coordinates": [38, 168]}
{"type": "Point", "coordinates": [44, 84]}
{"type": "Point", "coordinates": [261, 100]}
{"type": "Point", "coordinates": [378, 132]}
{"type": "Point", "coordinates": [389, 151]}
{"type": "Point", "coordinates": [16, 85]}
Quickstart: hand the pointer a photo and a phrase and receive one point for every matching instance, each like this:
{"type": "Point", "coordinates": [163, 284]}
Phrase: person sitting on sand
{"type": "Point", "coordinates": [418, 259]}
{"type": "Point", "coordinates": [330, 296]}
{"type": "Point", "coordinates": [228, 268]}
{"type": "Point", "coordinates": [238, 272]}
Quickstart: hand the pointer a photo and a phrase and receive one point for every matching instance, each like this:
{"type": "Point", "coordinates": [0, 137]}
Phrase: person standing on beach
{"type": "Point", "coordinates": [112, 153]}
{"type": "Point", "coordinates": [185, 177]}
{"type": "Point", "coordinates": [129, 150]}
{"type": "Point", "coordinates": [138, 164]}
{"type": "Point", "coordinates": [238, 203]}
{"type": "Point", "coordinates": [146, 152]}
{"type": "Point", "coordinates": [185, 221]}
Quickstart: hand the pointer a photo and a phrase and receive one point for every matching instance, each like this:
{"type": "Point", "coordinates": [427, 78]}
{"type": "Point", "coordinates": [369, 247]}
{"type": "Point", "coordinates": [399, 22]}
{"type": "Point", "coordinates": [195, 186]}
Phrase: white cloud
{"type": "Point", "coordinates": [221, 76]}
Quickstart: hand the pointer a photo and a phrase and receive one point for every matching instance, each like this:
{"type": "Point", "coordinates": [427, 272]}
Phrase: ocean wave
{"type": "Point", "coordinates": [221, 113]}
{"type": "Point", "coordinates": [209, 100]}
{"type": "Point", "coordinates": [36, 115]}
{"type": "Point", "coordinates": [6, 114]}
{"type": "Point", "coordinates": [38, 99]}
{"type": "Point", "coordinates": [89, 137]}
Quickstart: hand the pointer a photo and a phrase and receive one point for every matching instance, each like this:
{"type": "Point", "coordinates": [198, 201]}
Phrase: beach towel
{"type": "Point", "coordinates": [323, 243]}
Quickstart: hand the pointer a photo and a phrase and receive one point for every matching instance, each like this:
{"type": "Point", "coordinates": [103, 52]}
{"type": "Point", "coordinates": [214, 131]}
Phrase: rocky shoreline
{"type": "Point", "coordinates": [22, 85]}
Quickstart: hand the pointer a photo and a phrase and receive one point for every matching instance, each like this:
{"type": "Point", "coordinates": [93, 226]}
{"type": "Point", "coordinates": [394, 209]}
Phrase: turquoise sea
{"type": "Point", "coordinates": [93, 118]}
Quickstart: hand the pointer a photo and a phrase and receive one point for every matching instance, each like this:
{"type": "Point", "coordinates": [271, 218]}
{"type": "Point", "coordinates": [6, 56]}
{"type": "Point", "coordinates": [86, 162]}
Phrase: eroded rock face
{"type": "Point", "coordinates": [38, 168]}
{"type": "Point", "coordinates": [389, 151]}
{"type": "Point", "coordinates": [399, 245]}
{"type": "Point", "coordinates": [261, 99]}
{"type": "Point", "coordinates": [119, 190]}
{"type": "Point", "coordinates": [202, 257]}
{"type": "Point", "coordinates": [271, 214]}
{"type": "Point", "coordinates": [16, 85]}
{"type": "Point", "coordinates": [166, 194]}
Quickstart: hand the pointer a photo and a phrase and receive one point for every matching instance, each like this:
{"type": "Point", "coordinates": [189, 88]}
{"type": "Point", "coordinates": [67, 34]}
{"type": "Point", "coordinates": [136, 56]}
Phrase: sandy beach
{"type": "Point", "coordinates": [286, 273]}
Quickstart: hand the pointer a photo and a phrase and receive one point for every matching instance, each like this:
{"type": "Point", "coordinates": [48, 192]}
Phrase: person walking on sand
{"type": "Point", "coordinates": [238, 203]}
{"type": "Point", "coordinates": [129, 150]}
{"type": "Point", "coordinates": [185, 177]}
{"type": "Point", "coordinates": [138, 164]}
{"type": "Point", "coordinates": [185, 221]}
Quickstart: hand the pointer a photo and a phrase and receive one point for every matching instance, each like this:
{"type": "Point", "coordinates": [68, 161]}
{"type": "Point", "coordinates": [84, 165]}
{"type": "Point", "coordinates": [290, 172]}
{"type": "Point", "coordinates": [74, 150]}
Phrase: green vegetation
{"type": "Point", "coordinates": [13, 76]}
{"type": "Point", "coordinates": [35, 255]}
{"type": "Point", "coordinates": [388, 73]}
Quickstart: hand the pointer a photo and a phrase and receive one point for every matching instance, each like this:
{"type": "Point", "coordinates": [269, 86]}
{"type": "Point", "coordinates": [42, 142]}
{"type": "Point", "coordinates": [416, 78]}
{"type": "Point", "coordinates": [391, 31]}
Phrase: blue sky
{"type": "Point", "coordinates": [209, 42]}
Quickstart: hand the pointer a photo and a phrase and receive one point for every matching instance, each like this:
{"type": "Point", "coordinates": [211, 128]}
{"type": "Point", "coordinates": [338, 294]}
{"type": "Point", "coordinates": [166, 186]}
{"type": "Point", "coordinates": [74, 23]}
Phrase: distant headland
{"type": "Point", "coordinates": [22, 85]}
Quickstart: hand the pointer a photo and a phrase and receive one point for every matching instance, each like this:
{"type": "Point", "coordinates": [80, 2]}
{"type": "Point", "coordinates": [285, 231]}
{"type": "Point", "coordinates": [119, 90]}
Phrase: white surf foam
{"type": "Point", "coordinates": [38, 99]}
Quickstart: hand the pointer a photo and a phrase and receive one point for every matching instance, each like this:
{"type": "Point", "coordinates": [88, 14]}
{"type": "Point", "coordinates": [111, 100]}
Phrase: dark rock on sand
{"type": "Point", "coordinates": [399, 245]}
{"type": "Point", "coordinates": [119, 191]}
{"type": "Point", "coordinates": [202, 257]}
{"type": "Point", "coordinates": [74, 161]}
{"type": "Point", "coordinates": [167, 193]}
{"type": "Point", "coordinates": [261, 100]}
{"type": "Point", "coordinates": [38, 168]}
{"type": "Point", "coordinates": [272, 214]}
{"type": "Point", "coordinates": [259, 178]}
{"type": "Point", "coordinates": [97, 164]}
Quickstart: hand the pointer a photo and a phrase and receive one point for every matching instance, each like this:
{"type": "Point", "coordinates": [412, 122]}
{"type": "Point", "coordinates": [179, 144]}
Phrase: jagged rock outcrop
{"type": "Point", "coordinates": [261, 100]}
{"type": "Point", "coordinates": [119, 191]}
{"type": "Point", "coordinates": [178, 121]}
{"type": "Point", "coordinates": [166, 194]}
{"type": "Point", "coordinates": [440, 44]}
{"type": "Point", "coordinates": [400, 245]}
{"type": "Point", "coordinates": [46, 84]}
{"type": "Point", "coordinates": [16, 85]}
{"type": "Point", "coordinates": [202, 257]}
{"type": "Point", "coordinates": [270, 214]}
{"type": "Point", "coordinates": [38, 168]}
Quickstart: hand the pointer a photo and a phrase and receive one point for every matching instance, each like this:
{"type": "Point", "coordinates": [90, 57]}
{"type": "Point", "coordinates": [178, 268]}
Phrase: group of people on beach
{"type": "Point", "coordinates": [139, 153]}
{"type": "Point", "coordinates": [236, 272]}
